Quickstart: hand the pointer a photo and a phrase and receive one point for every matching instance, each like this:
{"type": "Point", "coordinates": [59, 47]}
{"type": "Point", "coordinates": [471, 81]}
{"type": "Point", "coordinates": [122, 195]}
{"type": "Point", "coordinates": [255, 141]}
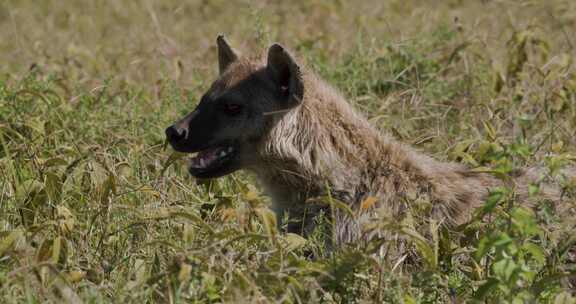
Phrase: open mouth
{"type": "Point", "coordinates": [213, 162]}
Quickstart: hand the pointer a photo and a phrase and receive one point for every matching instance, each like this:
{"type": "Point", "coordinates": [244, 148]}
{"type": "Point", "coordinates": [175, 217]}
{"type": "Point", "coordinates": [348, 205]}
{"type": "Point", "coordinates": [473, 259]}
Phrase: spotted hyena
{"type": "Point", "coordinates": [271, 116]}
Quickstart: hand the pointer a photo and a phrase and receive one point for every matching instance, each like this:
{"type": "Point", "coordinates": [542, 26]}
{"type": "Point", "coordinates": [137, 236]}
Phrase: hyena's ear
{"type": "Point", "coordinates": [286, 73]}
{"type": "Point", "coordinates": [226, 54]}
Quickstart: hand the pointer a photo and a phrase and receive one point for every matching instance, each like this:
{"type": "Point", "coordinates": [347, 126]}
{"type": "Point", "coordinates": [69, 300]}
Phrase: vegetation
{"type": "Point", "coordinates": [94, 208]}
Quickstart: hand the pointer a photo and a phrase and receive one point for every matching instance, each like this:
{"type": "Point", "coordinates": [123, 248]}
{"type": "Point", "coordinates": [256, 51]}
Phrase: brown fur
{"type": "Point", "coordinates": [325, 144]}
{"type": "Point", "coordinates": [322, 146]}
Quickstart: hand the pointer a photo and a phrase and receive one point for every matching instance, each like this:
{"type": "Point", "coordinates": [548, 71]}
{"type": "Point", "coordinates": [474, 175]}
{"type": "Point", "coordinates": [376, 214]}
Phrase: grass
{"type": "Point", "coordinates": [94, 208]}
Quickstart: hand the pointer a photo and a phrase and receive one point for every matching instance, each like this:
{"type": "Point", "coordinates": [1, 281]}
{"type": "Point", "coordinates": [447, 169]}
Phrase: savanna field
{"type": "Point", "coordinates": [95, 208]}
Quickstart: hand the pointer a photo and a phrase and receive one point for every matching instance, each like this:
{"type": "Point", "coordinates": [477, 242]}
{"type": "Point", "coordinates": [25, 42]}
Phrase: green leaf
{"type": "Point", "coordinates": [55, 162]}
{"type": "Point", "coordinates": [486, 288]}
{"type": "Point", "coordinates": [536, 251]}
{"type": "Point", "coordinates": [493, 199]}
{"type": "Point", "coordinates": [53, 185]}
{"type": "Point", "coordinates": [491, 242]}
{"type": "Point", "coordinates": [533, 190]}
{"type": "Point", "coordinates": [9, 241]}
{"type": "Point", "coordinates": [428, 252]}
{"type": "Point", "coordinates": [195, 219]}
{"type": "Point", "coordinates": [56, 249]}
{"type": "Point", "coordinates": [524, 221]}
{"type": "Point", "coordinates": [504, 268]}
{"type": "Point", "coordinates": [335, 203]}
{"type": "Point", "coordinates": [408, 299]}
{"type": "Point", "coordinates": [294, 241]}
{"type": "Point", "coordinates": [268, 218]}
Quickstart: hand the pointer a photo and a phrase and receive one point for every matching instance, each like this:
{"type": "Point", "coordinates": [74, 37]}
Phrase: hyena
{"type": "Point", "coordinates": [271, 116]}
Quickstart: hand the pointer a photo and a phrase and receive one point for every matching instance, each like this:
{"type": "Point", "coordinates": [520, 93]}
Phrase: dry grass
{"type": "Point", "coordinates": [94, 209]}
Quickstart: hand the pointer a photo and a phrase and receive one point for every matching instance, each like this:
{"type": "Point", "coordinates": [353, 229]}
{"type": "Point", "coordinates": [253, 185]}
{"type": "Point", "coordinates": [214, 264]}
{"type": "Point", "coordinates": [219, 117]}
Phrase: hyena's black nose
{"type": "Point", "coordinates": [175, 135]}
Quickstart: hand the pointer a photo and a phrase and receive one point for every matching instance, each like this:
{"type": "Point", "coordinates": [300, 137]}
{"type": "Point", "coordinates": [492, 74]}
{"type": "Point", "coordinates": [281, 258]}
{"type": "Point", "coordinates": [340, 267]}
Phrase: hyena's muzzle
{"type": "Point", "coordinates": [196, 133]}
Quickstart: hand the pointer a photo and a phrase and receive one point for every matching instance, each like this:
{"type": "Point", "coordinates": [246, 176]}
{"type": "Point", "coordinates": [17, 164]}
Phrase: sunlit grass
{"type": "Point", "coordinates": [94, 208]}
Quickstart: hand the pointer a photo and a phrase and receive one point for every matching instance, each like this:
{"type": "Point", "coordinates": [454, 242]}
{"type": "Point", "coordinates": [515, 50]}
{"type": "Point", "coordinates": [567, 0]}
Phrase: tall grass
{"type": "Point", "coordinates": [94, 208]}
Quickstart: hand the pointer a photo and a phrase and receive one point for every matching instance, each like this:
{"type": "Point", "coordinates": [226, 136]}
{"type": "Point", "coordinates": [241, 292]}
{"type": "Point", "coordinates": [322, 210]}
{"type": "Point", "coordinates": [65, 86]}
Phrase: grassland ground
{"type": "Point", "coordinates": [94, 208]}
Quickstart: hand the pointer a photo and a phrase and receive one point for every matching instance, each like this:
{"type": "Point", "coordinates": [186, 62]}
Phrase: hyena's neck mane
{"type": "Point", "coordinates": [324, 144]}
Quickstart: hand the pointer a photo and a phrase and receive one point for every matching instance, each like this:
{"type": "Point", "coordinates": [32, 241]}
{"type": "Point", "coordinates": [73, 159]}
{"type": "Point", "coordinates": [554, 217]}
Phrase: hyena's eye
{"type": "Point", "coordinates": [232, 109]}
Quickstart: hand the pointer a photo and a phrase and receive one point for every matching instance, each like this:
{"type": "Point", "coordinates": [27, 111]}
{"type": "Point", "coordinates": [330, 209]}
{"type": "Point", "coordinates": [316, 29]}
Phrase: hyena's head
{"type": "Point", "coordinates": [238, 110]}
